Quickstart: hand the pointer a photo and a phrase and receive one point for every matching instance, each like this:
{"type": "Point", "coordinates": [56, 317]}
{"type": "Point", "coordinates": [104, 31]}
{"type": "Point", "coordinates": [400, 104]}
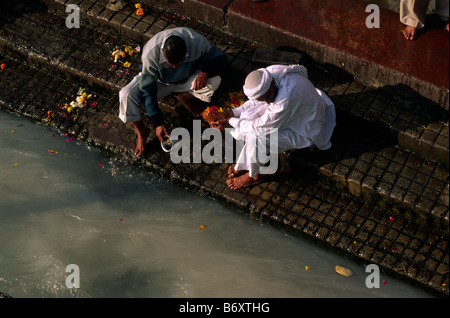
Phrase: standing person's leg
{"type": "Point", "coordinates": [412, 14]}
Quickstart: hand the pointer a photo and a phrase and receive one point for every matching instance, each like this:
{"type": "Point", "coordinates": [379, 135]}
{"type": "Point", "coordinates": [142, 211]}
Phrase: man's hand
{"type": "Point", "coordinates": [201, 81]}
{"type": "Point", "coordinates": [161, 131]}
{"type": "Point", "coordinates": [220, 124]}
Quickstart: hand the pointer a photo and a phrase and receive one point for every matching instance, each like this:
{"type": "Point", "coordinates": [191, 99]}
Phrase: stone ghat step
{"type": "Point", "coordinates": [419, 124]}
{"type": "Point", "coordinates": [401, 244]}
{"type": "Point", "coordinates": [366, 158]}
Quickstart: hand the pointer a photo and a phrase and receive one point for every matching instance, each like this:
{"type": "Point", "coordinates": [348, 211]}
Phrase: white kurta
{"type": "Point", "coordinates": [301, 114]}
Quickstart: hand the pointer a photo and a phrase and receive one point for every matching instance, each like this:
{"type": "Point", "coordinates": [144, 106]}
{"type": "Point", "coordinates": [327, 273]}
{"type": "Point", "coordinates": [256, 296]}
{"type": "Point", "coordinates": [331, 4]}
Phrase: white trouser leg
{"type": "Point", "coordinates": [130, 96]}
{"type": "Point", "coordinates": [130, 100]}
{"type": "Point", "coordinates": [413, 12]}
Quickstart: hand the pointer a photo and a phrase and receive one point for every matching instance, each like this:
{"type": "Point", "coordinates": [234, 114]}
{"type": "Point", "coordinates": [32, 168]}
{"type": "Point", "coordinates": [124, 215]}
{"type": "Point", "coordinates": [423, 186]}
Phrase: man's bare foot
{"type": "Point", "coordinates": [233, 173]}
{"type": "Point", "coordinates": [141, 142]}
{"type": "Point", "coordinates": [194, 105]}
{"type": "Point", "coordinates": [142, 132]}
{"type": "Point", "coordinates": [410, 32]}
{"type": "Point", "coordinates": [244, 181]}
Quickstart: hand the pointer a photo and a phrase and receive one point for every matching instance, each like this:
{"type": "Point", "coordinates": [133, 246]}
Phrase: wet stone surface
{"type": "Point", "coordinates": [369, 197]}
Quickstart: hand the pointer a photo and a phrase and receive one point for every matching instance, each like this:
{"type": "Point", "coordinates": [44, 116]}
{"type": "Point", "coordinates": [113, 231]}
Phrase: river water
{"type": "Point", "coordinates": [131, 234]}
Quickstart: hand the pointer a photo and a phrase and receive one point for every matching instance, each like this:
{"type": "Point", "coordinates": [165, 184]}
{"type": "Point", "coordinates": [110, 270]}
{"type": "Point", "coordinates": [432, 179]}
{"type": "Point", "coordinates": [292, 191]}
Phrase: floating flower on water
{"type": "Point", "coordinates": [343, 271]}
{"type": "Point", "coordinates": [127, 64]}
{"type": "Point", "coordinates": [384, 282]}
{"type": "Point", "coordinates": [307, 268]}
{"type": "Point", "coordinates": [391, 219]}
{"type": "Point", "coordinates": [3, 66]}
{"type": "Point", "coordinates": [202, 227]}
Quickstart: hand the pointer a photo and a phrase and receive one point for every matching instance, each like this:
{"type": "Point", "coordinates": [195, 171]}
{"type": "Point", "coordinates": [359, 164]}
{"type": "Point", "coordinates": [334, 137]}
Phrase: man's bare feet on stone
{"type": "Point", "coordinates": [142, 141]}
{"type": "Point", "coordinates": [233, 173]}
{"type": "Point", "coordinates": [410, 32]}
{"type": "Point", "coordinates": [142, 132]}
{"type": "Point", "coordinates": [244, 181]}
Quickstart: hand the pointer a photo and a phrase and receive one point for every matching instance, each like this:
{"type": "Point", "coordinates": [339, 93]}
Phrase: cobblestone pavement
{"type": "Point", "coordinates": [380, 195]}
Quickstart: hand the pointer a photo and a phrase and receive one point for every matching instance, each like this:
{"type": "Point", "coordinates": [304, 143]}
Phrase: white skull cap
{"type": "Point", "coordinates": [257, 83]}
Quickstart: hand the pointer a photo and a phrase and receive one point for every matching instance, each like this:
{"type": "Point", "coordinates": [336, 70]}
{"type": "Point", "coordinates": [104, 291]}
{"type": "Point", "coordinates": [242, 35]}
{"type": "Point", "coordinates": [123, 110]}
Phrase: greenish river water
{"type": "Point", "coordinates": [131, 234]}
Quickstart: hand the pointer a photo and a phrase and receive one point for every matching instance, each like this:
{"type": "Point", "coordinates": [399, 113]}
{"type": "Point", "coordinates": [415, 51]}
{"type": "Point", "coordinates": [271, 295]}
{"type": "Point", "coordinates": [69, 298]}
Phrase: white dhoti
{"type": "Point", "coordinates": [130, 96]}
{"type": "Point", "coordinates": [301, 116]}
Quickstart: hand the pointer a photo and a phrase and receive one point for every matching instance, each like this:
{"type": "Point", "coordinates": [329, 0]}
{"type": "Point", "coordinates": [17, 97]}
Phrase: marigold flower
{"type": "Point", "coordinates": [138, 5]}
{"type": "Point", "coordinates": [3, 66]}
{"type": "Point", "coordinates": [127, 64]}
{"type": "Point", "coordinates": [140, 11]}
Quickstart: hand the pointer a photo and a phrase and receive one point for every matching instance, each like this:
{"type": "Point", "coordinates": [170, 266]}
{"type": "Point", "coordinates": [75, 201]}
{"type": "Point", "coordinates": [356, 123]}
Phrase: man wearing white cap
{"type": "Point", "coordinates": [282, 100]}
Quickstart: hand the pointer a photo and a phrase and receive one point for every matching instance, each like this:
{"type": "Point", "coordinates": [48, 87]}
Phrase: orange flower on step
{"type": "Point", "coordinates": [140, 11]}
